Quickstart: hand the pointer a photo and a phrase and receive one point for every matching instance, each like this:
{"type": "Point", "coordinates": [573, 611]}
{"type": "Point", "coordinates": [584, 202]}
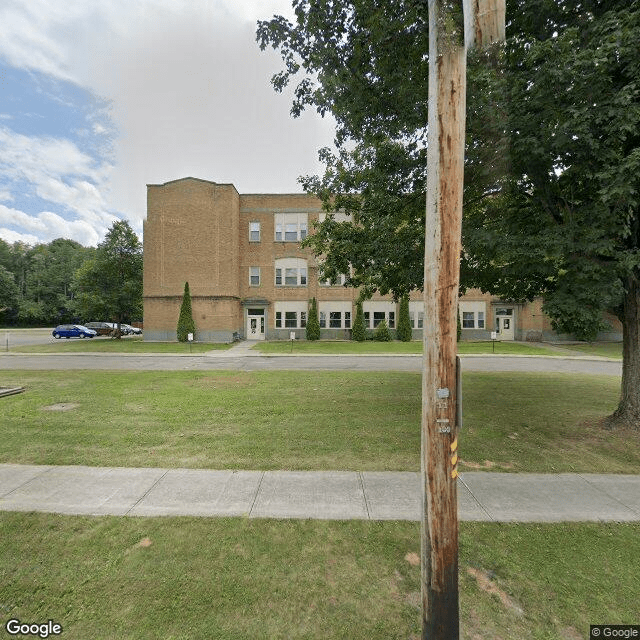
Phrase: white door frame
{"type": "Point", "coordinates": [255, 327]}
{"type": "Point", "coordinates": [505, 326]}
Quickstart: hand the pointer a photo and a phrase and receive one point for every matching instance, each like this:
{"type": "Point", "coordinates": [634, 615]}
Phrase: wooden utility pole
{"type": "Point", "coordinates": [454, 26]}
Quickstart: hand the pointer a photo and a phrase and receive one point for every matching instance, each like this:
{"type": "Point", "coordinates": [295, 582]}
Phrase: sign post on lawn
{"type": "Point", "coordinates": [454, 26]}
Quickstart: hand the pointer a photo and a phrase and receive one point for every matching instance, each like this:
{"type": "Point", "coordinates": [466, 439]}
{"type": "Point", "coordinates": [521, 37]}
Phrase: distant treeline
{"type": "Point", "coordinates": [38, 285]}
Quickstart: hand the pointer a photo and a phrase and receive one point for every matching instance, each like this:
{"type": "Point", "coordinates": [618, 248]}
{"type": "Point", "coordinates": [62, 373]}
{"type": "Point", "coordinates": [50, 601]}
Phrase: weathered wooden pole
{"type": "Point", "coordinates": [448, 43]}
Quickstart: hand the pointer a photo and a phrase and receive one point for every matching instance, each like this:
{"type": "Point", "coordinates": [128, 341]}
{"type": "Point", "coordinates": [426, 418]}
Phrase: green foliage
{"type": "Point", "coordinates": [313, 324]}
{"type": "Point", "coordinates": [382, 332]}
{"type": "Point", "coordinates": [552, 166]}
{"type": "Point", "coordinates": [8, 294]}
{"type": "Point", "coordinates": [42, 281]}
{"type": "Point", "coordinates": [186, 324]}
{"type": "Point", "coordinates": [109, 286]}
{"type": "Point", "coordinates": [358, 330]}
{"type": "Point", "coordinates": [404, 332]}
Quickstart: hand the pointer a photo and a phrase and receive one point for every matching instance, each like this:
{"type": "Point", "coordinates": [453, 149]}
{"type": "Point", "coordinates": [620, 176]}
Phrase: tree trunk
{"type": "Point", "coordinates": [628, 412]}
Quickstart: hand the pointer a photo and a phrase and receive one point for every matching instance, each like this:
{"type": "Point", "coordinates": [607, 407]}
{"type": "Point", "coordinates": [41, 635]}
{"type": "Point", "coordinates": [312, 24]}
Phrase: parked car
{"type": "Point", "coordinates": [72, 331]}
{"type": "Point", "coordinates": [101, 328]}
{"type": "Point", "coordinates": [127, 328]}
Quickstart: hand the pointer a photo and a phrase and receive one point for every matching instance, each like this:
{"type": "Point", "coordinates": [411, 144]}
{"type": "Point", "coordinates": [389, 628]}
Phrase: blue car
{"type": "Point", "coordinates": [72, 331]}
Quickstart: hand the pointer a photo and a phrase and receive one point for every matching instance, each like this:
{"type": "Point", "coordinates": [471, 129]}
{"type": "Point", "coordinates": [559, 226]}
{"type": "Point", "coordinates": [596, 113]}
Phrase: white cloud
{"type": "Point", "coordinates": [46, 226]}
{"type": "Point", "coordinates": [57, 171]}
{"type": "Point", "coordinates": [10, 236]}
{"type": "Point", "coordinates": [190, 92]}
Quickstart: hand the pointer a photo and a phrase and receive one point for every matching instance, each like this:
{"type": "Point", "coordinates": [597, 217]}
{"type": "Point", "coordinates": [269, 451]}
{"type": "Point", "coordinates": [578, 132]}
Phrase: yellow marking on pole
{"type": "Point", "coordinates": [454, 459]}
{"type": "Point", "coordinates": [454, 474]}
{"type": "Point", "coordinates": [454, 445]}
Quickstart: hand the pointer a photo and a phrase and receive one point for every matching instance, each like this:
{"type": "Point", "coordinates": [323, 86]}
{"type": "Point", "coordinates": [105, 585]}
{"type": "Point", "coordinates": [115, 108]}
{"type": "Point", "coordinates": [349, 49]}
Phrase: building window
{"type": "Point", "coordinates": [472, 314]}
{"type": "Point", "coordinates": [290, 227]}
{"type": "Point", "coordinates": [291, 272]}
{"type": "Point", "coordinates": [335, 320]}
{"type": "Point", "coordinates": [291, 315]}
{"type": "Point", "coordinates": [377, 311]}
{"type": "Point", "coordinates": [254, 232]}
{"type": "Point", "coordinates": [339, 281]}
{"type": "Point", "coordinates": [254, 276]}
{"type": "Point", "coordinates": [335, 314]}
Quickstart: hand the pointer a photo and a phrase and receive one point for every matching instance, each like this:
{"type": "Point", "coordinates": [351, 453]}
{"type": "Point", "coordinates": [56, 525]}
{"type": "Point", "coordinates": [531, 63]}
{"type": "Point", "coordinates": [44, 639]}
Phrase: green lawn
{"type": "Point", "coordinates": [110, 578]}
{"type": "Point", "coordinates": [397, 347]}
{"type": "Point", "coordinates": [306, 420]}
{"type": "Point", "coordinates": [133, 344]}
{"type": "Point", "coordinates": [602, 349]}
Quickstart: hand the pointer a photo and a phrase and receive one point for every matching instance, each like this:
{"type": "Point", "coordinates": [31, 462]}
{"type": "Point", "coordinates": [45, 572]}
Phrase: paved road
{"type": "Point", "coordinates": [9, 361]}
{"type": "Point", "coordinates": [344, 495]}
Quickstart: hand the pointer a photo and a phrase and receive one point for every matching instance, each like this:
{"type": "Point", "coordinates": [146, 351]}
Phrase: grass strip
{"type": "Point", "coordinates": [232, 579]}
{"type": "Point", "coordinates": [368, 421]}
{"type": "Point", "coordinates": [337, 347]}
{"type": "Point", "coordinates": [132, 344]}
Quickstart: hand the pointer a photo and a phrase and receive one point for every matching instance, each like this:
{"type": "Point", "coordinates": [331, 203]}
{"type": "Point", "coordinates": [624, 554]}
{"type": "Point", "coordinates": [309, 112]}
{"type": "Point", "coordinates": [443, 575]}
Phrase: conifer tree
{"type": "Point", "coordinates": [382, 332]}
{"type": "Point", "coordinates": [185, 321]}
{"type": "Point", "coordinates": [404, 321]}
{"type": "Point", "coordinates": [359, 331]}
{"type": "Point", "coordinates": [313, 324]}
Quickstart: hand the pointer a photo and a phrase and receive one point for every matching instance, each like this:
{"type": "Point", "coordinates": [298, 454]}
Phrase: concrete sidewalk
{"type": "Point", "coordinates": [367, 495]}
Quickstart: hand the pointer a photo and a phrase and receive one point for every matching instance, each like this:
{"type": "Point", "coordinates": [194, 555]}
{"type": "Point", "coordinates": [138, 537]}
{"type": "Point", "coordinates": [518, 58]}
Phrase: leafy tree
{"type": "Point", "coordinates": [552, 163]}
{"type": "Point", "coordinates": [109, 285]}
{"type": "Point", "coordinates": [8, 295]}
{"type": "Point", "coordinates": [404, 331]}
{"type": "Point", "coordinates": [186, 324]}
{"type": "Point", "coordinates": [382, 332]}
{"type": "Point", "coordinates": [312, 330]}
{"type": "Point", "coordinates": [359, 330]}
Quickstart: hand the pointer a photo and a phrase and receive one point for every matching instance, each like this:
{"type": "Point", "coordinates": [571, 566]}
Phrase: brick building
{"type": "Point", "coordinates": [249, 278]}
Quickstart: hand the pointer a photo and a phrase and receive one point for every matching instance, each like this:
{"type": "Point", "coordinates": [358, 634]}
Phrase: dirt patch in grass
{"type": "Point", "coordinates": [485, 582]}
{"type": "Point", "coordinates": [61, 406]}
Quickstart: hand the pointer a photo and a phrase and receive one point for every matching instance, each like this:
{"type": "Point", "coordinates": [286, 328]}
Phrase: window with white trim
{"type": "Point", "coordinates": [290, 227]}
{"type": "Point", "coordinates": [290, 315]}
{"type": "Point", "coordinates": [416, 314]}
{"type": "Point", "coordinates": [254, 276]}
{"type": "Point", "coordinates": [254, 231]}
{"type": "Point", "coordinates": [472, 314]}
{"type": "Point", "coordinates": [291, 272]}
{"type": "Point", "coordinates": [338, 282]}
{"type": "Point", "coordinates": [335, 315]}
{"type": "Point", "coordinates": [377, 311]}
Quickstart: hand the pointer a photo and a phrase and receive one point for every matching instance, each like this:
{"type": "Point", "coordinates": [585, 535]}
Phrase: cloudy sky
{"type": "Point", "coordinates": [99, 99]}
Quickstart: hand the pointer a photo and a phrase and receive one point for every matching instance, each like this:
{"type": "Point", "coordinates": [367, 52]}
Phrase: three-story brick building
{"type": "Point", "coordinates": [249, 277]}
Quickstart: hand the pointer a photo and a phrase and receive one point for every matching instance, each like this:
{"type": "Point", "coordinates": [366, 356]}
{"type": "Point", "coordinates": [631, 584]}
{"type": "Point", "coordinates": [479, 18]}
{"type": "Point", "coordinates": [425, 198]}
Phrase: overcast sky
{"type": "Point", "coordinates": [100, 98]}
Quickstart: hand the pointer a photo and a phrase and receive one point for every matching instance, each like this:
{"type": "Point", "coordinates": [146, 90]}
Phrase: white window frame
{"type": "Point", "coordinates": [254, 272]}
{"type": "Point", "coordinates": [342, 278]}
{"type": "Point", "coordinates": [254, 227]}
{"type": "Point", "coordinates": [290, 227]}
{"type": "Point", "coordinates": [291, 272]}
{"type": "Point", "coordinates": [340, 312]}
{"type": "Point", "coordinates": [416, 314]}
{"type": "Point", "coordinates": [377, 310]}
{"type": "Point", "coordinates": [290, 315]}
{"type": "Point", "coordinates": [475, 312]}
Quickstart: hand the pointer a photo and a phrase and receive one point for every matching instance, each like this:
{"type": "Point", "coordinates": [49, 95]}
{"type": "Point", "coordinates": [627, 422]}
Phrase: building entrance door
{"type": "Point", "coordinates": [255, 327]}
{"type": "Point", "coordinates": [504, 323]}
